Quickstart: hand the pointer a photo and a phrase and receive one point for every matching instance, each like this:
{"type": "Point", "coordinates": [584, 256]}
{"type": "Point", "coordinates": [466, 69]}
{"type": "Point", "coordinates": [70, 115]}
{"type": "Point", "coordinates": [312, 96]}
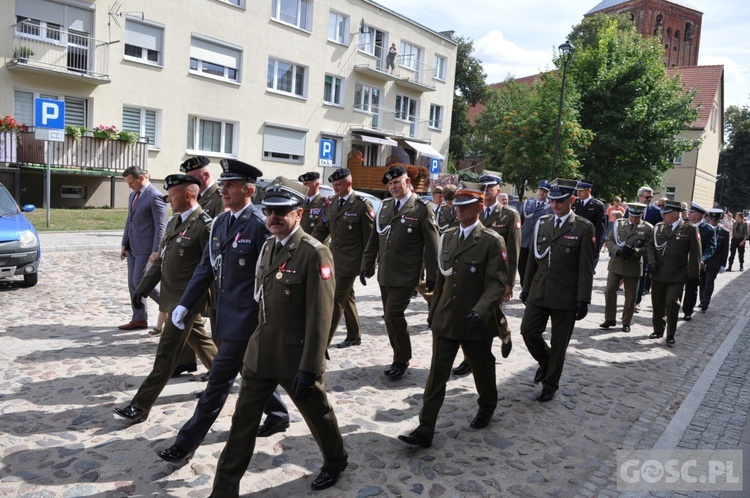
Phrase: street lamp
{"type": "Point", "coordinates": [566, 53]}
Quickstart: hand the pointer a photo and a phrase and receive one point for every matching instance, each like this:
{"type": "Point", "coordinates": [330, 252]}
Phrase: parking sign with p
{"type": "Point", "coordinates": [49, 113]}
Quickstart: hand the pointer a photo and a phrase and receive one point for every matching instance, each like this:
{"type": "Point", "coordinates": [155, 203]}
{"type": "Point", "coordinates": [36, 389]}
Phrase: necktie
{"type": "Point", "coordinates": [199, 197]}
{"type": "Point", "coordinates": [341, 203]}
{"type": "Point", "coordinates": [558, 223]}
{"type": "Point", "coordinates": [486, 213]}
{"type": "Point", "coordinates": [461, 236]}
{"type": "Point", "coordinates": [135, 201]}
{"type": "Point", "coordinates": [307, 201]}
{"type": "Point", "coordinates": [398, 205]}
{"type": "Point", "coordinates": [277, 248]}
{"type": "Point", "coordinates": [232, 219]}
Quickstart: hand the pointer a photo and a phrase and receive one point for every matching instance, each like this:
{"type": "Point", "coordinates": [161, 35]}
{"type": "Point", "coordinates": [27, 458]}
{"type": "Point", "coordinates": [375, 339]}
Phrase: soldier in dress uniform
{"type": "Point", "coordinates": [181, 249]}
{"type": "Point", "coordinates": [673, 256]}
{"type": "Point", "coordinates": [446, 215]}
{"type": "Point", "coordinates": [437, 199]}
{"type": "Point", "coordinates": [591, 209]}
{"type": "Point", "coordinates": [313, 203]}
{"type": "Point", "coordinates": [404, 239]}
{"type": "Point", "coordinates": [739, 237]}
{"type": "Point", "coordinates": [506, 222]}
{"type": "Point", "coordinates": [209, 197]}
{"type": "Point", "coordinates": [237, 236]}
{"type": "Point", "coordinates": [348, 219]}
{"type": "Point", "coordinates": [557, 285]}
{"type": "Point", "coordinates": [294, 283]}
{"type": "Point", "coordinates": [626, 243]}
{"type": "Point", "coordinates": [533, 209]}
{"type": "Point", "coordinates": [707, 233]}
{"type": "Point", "coordinates": [718, 261]}
{"type": "Point", "coordinates": [463, 313]}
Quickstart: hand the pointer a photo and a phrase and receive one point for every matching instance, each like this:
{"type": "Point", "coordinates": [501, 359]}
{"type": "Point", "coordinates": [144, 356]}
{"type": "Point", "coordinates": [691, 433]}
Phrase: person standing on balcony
{"type": "Point", "coordinates": [144, 229]}
{"type": "Point", "coordinates": [390, 61]}
{"type": "Point", "coordinates": [313, 203]}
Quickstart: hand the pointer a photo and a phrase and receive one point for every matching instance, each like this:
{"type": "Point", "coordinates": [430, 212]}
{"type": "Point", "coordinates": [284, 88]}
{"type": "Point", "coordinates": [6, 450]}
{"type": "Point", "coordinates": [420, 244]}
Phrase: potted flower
{"type": "Point", "coordinates": [9, 140]}
{"type": "Point", "coordinates": [77, 132]}
{"type": "Point", "coordinates": [128, 136]}
{"type": "Point", "coordinates": [106, 132]}
{"type": "Point", "coordinates": [22, 54]}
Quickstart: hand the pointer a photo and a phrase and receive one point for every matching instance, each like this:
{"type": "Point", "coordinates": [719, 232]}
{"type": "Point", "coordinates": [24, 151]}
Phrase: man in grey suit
{"type": "Point", "coordinates": [144, 229]}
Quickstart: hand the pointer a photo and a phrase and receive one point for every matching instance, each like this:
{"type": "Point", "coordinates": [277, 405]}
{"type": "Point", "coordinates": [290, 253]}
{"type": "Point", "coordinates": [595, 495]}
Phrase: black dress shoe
{"type": "Point", "coordinates": [482, 419]}
{"type": "Point", "coordinates": [270, 428]}
{"type": "Point", "coordinates": [175, 454]}
{"type": "Point", "coordinates": [327, 478]}
{"type": "Point", "coordinates": [540, 374]}
{"type": "Point", "coordinates": [607, 324]}
{"type": "Point", "coordinates": [349, 343]}
{"type": "Point", "coordinates": [415, 440]}
{"type": "Point", "coordinates": [463, 369]}
{"type": "Point", "coordinates": [704, 307]}
{"type": "Point", "coordinates": [505, 349]}
{"type": "Point", "coordinates": [133, 414]}
{"type": "Point", "coordinates": [397, 370]}
{"type": "Point", "coordinates": [626, 328]}
{"type": "Point", "coordinates": [670, 339]}
{"type": "Point", "coordinates": [654, 335]}
{"type": "Point", "coordinates": [184, 368]}
{"type": "Point", "coordinates": [545, 395]}
{"type": "Point", "coordinates": [687, 317]}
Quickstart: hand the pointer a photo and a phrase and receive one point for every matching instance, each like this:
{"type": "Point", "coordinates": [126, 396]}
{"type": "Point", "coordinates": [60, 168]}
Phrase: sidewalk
{"type": "Point", "coordinates": [65, 366]}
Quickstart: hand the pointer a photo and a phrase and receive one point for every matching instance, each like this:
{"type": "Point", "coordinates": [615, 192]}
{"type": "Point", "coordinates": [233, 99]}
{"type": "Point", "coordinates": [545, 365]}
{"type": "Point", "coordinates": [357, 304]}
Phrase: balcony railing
{"type": "Point", "coordinates": [415, 74]}
{"type": "Point", "coordinates": [393, 123]}
{"type": "Point", "coordinates": [67, 53]}
{"type": "Point", "coordinates": [90, 154]}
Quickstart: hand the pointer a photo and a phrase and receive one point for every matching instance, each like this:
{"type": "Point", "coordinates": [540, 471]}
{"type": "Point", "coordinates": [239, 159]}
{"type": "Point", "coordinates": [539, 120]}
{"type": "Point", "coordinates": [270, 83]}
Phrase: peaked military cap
{"type": "Point", "coordinates": [670, 206]}
{"type": "Point", "coordinates": [716, 213]}
{"type": "Point", "coordinates": [545, 185]}
{"type": "Point", "coordinates": [233, 169]}
{"type": "Point", "coordinates": [584, 184]}
{"type": "Point", "coordinates": [469, 193]}
{"type": "Point", "coordinates": [394, 173]}
{"type": "Point", "coordinates": [284, 192]}
{"type": "Point", "coordinates": [339, 174]}
{"type": "Point", "coordinates": [309, 176]}
{"type": "Point", "coordinates": [490, 180]}
{"type": "Point", "coordinates": [694, 206]}
{"type": "Point", "coordinates": [562, 188]}
{"type": "Point", "coordinates": [193, 163]}
{"type": "Point", "coordinates": [180, 179]}
{"type": "Point", "coordinates": [636, 209]}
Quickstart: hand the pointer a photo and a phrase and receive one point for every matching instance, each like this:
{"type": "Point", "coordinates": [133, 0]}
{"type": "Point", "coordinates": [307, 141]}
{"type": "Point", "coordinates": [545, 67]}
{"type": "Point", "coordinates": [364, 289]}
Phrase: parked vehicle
{"type": "Point", "coordinates": [20, 252]}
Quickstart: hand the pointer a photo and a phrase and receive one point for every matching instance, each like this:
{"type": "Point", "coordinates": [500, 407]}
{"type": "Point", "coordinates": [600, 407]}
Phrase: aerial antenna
{"type": "Point", "coordinates": [114, 13]}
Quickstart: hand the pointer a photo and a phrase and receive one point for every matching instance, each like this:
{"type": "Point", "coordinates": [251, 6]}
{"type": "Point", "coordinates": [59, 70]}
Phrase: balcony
{"type": "Point", "coordinates": [392, 123]}
{"type": "Point", "coordinates": [59, 53]}
{"type": "Point", "coordinates": [89, 156]}
{"type": "Point", "coordinates": [415, 75]}
{"type": "Point", "coordinates": [371, 61]}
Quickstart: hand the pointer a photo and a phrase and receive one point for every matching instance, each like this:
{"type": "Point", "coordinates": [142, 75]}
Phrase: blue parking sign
{"type": "Point", "coordinates": [49, 113]}
{"type": "Point", "coordinates": [327, 152]}
{"type": "Point", "coordinates": [434, 165]}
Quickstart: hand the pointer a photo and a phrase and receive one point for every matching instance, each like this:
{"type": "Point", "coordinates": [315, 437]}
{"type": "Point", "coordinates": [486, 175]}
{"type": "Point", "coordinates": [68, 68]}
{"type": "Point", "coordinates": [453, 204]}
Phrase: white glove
{"type": "Point", "coordinates": [178, 315]}
{"type": "Point", "coordinates": [722, 268]}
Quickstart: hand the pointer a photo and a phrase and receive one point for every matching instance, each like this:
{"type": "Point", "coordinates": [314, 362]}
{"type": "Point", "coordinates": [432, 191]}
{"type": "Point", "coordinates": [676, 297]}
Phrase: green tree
{"type": "Point", "coordinates": [733, 188]}
{"type": "Point", "coordinates": [470, 90]}
{"type": "Point", "coordinates": [630, 103]}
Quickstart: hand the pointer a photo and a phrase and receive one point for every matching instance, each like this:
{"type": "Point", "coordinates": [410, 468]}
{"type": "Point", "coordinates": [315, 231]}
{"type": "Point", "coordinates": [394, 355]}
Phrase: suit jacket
{"type": "Point", "coordinates": [565, 274]}
{"type": "Point", "coordinates": [678, 254]}
{"type": "Point", "coordinates": [652, 215]}
{"type": "Point", "coordinates": [297, 306]}
{"type": "Point", "coordinates": [211, 201]}
{"type": "Point", "coordinates": [506, 222]}
{"type": "Point", "coordinates": [446, 217]}
{"type": "Point", "coordinates": [530, 214]}
{"type": "Point", "coordinates": [180, 252]}
{"type": "Point", "coordinates": [477, 283]}
{"type": "Point", "coordinates": [637, 237]}
{"type": "Point", "coordinates": [720, 255]}
{"type": "Point", "coordinates": [144, 226]}
{"type": "Point", "coordinates": [311, 213]}
{"type": "Point", "coordinates": [349, 228]}
{"type": "Point", "coordinates": [239, 248]}
{"type": "Point", "coordinates": [595, 212]}
{"type": "Point", "coordinates": [409, 238]}
{"type": "Point", "coordinates": [708, 240]}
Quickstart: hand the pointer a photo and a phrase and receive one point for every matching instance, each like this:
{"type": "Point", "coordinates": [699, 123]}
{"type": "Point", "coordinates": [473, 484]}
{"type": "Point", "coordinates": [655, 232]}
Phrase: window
{"type": "Point", "coordinates": [436, 117]}
{"type": "Point", "coordinates": [34, 28]}
{"type": "Point", "coordinates": [76, 109]}
{"type": "Point", "coordinates": [287, 77]}
{"type": "Point", "coordinates": [238, 3]}
{"type": "Point", "coordinates": [366, 99]}
{"type": "Point", "coordinates": [332, 90]}
{"type": "Point", "coordinates": [338, 28]}
{"type": "Point", "coordinates": [144, 42]}
{"type": "Point", "coordinates": [283, 144]}
{"type": "Point", "coordinates": [374, 42]}
{"type": "Point", "coordinates": [215, 59]}
{"type": "Point", "coordinates": [369, 153]}
{"type": "Point", "coordinates": [295, 12]}
{"type": "Point", "coordinates": [336, 150]}
{"type": "Point", "coordinates": [142, 122]}
{"type": "Point", "coordinates": [440, 69]}
{"type": "Point", "coordinates": [677, 160]}
{"type": "Point", "coordinates": [406, 108]}
{"type": "Point", "coordinates": [210, 136]}
{"type": "Point", "coordinates": [410, 55]}
{"type": "Point", "coordinates": [671, 193]}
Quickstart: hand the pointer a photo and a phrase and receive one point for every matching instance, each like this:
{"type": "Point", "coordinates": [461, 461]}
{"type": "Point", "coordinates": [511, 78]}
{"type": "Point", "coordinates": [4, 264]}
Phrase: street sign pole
{"type": "Point", "coordinates": [49, 123]}
{"type": "Point", "coordinates": [48, 182]}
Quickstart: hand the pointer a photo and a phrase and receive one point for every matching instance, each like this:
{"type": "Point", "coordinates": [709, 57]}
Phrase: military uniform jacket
{"type": "Point", "coordinates": [720, 255]}
{"type": "Point", "coordinates": [595, 212]}
{"type": "Point", "coordinates": [235, 253]}
{"type": "Point", "coordinates": [530, 214]}
{"type": "Point", "coordinates": [350, 228]}
{"type": "Point", "coordinates": [401, 242]}
{"type": "Point", "coordinates": [506, 222]}
{"type": "Point", "coordinates": [180, 252]}
{"type": "Point", "coordinates": [472, 277]}
{"type": "Point", "coordinates": [739, 231]}
{"type": "Point", "coordinates": [295, 287]}
{"type": "Point", "coordinates": [637, 237]}
{"type": "Point", "coordinates": [677, 252]}
{"type": "Point", "coordinates": [312, 213]}
{"type": "Point", "coordinates": [446, 217]}
{"type": "Point", "coordinates": [560, 270]}
{"type": "Point", "coordinates": [211, 201]}
{"type": "Point", "coordinates": [708, 240]}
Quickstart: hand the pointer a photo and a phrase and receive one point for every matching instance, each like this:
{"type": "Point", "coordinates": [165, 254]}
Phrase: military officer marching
{"type": "Point", "coordinates": [626, 243]}
{"type": "Point", "coordinates": [718, 261]}
{"type": "Point", "coordinates": [593, 210]}
{"type": "Point", "coordinates": [313, 208]}
{"type": "Point", "coordinates": [446, 214]}
{"type": "Point", "coordinates": [209, 197]}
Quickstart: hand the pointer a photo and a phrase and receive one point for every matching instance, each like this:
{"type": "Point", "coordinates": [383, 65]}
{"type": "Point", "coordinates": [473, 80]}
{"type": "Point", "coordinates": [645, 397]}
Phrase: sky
{"type": "Point", "coordinates": [519, 38]}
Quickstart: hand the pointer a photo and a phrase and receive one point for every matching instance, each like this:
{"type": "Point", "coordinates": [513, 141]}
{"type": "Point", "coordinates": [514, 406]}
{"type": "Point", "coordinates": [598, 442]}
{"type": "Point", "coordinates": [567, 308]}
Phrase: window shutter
{"type": "Point", "coordinates": [75, 111]}
{"type": "Point", "coordinates": [131, 119]}
{"type": "Point", "coordinates": [143, 35]}
{"type": "Point", "coordinates": [23, 107]}
{"type": "Point", "coordinates": [284, 141]}
{"type": "Point", "coordinates": [216, 54]}
{"type": "Point", "coordinates": [191, 133]}
{"type": "Point", "coordinates": [150, 131]}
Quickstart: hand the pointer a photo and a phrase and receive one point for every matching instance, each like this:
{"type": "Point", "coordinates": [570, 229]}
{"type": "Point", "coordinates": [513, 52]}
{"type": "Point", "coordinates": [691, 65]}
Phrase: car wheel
{"type": "Point", "coordinates": [30, 279]}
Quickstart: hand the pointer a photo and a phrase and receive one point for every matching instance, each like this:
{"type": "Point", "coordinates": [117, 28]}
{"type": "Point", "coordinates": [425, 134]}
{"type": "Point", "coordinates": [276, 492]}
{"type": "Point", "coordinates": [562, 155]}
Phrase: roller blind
{"type": "Point", "coordinates": [214, 53]}
{"type": "Point", "coordinates": [68, 16]}
{"type": "Point", "coordinates": [283, 141]}
{"type": "Point", "coordinates": [143, 35]}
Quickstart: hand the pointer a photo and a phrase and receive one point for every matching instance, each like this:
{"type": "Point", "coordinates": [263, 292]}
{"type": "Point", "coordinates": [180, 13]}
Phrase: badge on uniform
{"type": "Point", "coordinates": [325, 272]}
{"type": "Point", "coordinates": [473, 269]}
{"type": "Point", "coordinates": [505, 255]}
{"type": "Point", "coordinates": [242, 262]}
{"type": "Point", "coordinates": [518, 225]}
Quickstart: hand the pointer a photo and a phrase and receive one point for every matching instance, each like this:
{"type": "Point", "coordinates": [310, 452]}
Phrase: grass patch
{"type": "Point", "coordinates": [63, 220]}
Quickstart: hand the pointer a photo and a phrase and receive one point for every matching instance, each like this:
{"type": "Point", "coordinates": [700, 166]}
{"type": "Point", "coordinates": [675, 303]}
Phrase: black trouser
{"type": "Point", "coordinates": [550, 358]}
{"type": "Point", "coordinates": [523, 257]}
{"type": "Point", "coordinates": [690, 297]}
{"type": "Point", "coordinates": [708, 277]}
{"type": "Point", "coordinates": [735, 247]}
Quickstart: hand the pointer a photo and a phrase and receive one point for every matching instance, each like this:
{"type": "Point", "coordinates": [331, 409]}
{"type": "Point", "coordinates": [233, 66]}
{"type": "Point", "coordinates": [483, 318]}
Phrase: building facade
{"type": "Point", "coordinates": [287, 85]}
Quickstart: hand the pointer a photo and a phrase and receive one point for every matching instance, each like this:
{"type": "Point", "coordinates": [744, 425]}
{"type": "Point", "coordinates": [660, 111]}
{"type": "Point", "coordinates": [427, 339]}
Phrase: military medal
{"type": "Point", "coordinates": [236, 238]}
{"type": "Point", "coordinates": [279, 276]}
{"type": "Point", "coordinates": [403, 220]}
{"type": "Point", "coordinates": [350, 226]}
{"type": "Point", "coordinates": [409, 230]}
{"type": "Point", "coordinates": [473, 269]}
{"type": "Point", "coordinates": [179, 237]}
{"type": "Point", "coordinates": [242, 262]}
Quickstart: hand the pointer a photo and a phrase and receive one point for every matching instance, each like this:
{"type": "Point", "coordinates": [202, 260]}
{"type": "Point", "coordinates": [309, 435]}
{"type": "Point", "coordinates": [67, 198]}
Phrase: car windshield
{"type": "Point", "coordinates": [8, 206]}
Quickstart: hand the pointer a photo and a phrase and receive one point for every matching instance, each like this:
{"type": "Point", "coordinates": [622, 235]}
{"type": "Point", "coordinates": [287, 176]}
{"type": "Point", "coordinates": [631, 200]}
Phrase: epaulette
{"type": "Point", "coordinates": [424, 201]}
{"type": "Point", "coordinates": [491, 232]}
{"type": "Point", "coordinates": [452, 230]}
{"type": "Point", "coordinates": [547, 217]}
{"type": "Point", "coordinates": [260, 215]}
{"type": "Point", "coordinates": [583, 220]}
{"type": "Point", "coordinates": [205, 218]}
{"type": "Point", "coordinates": [648, 224]}
{"type": "Point", "coordinates": [312, 241]}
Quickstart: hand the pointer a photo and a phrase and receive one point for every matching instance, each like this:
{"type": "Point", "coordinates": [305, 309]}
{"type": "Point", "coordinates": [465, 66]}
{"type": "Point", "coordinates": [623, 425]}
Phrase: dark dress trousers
{"type": "Point", "coordinates": [708, 247]}
{"type": "Point", "coordinates": [714, 265]}
{"type": "Point", "coordinates": [213, 206]}
{"type": "Point", "coordinates": [595, 212]}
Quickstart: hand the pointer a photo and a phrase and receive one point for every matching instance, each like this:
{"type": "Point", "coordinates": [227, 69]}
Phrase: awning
{"type": "Point", "coordinates": [377, 140]}
{"type": "Point", "coordinates": [425, 149]}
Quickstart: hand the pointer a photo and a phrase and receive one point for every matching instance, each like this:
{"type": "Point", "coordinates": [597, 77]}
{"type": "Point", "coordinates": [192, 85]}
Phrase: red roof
{"type": "Point", "coordinates": [707, 81]}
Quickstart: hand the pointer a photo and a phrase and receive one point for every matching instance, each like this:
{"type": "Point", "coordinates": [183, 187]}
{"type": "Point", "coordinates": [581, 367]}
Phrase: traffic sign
{"type": "Point", "coordinates": [434, 165]}
{"type": "Point", "coordinates": [327, 152]}
{"type": "Point", "coordinates": [49, 113]}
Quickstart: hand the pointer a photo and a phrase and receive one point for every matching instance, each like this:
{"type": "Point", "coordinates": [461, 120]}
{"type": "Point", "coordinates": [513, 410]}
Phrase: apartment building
{"type": "Point", "coordinates": [287, 85]}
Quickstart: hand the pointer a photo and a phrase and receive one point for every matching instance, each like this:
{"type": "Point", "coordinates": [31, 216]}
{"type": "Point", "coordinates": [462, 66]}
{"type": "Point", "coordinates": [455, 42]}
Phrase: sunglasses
{"type": "Point", "coordinates": [559, 201]}
{"type": "Point", "coordinates": [278, 210]}
{"type": "Point", "coordinates": [647, 196]}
